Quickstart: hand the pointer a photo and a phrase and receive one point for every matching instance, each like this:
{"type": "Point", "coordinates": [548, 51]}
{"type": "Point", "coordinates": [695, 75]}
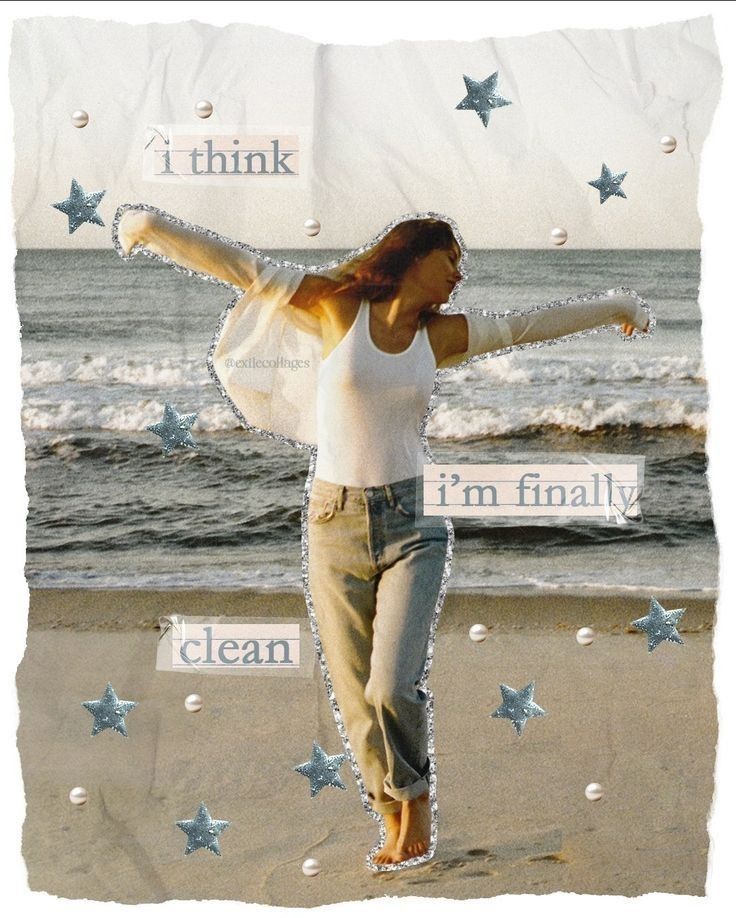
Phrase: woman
{"type": "Point", "coordinates": [372, 336]}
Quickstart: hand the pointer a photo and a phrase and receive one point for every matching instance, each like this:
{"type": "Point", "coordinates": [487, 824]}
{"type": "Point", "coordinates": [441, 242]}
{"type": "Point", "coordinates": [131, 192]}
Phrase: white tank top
{"type": "Point", "coordinates": [370, 406]}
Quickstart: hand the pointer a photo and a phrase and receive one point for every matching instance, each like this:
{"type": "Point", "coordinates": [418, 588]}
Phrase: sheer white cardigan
{"type": "Point", "coordinates": [266, 353]}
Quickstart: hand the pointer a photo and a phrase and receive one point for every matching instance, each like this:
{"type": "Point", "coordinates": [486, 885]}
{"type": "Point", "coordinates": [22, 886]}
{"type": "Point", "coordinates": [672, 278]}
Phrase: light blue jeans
{"type": "Point", "coordinates": [375, 568]}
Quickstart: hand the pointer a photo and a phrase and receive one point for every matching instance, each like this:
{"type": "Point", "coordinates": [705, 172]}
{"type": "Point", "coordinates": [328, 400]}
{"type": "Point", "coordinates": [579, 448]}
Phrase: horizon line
{"type": "Point", "coordinates": [547, 248]}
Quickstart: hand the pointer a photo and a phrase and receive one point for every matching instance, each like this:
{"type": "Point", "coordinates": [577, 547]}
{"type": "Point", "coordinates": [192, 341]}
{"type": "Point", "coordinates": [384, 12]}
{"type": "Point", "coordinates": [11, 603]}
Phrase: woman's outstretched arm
{"type": "Point", "coordinates": [481, 334]}
{"type": "Point", "coordinates": [188, 247]}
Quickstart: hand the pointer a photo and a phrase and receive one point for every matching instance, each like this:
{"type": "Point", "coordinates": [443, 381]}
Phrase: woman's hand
{"type": "Point", "coordinates": [635, 317]}
{"type": "Point", "coordinates": [132, 229]}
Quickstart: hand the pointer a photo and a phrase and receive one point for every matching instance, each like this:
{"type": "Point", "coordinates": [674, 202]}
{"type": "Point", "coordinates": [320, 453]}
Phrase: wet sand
{"type": "Point", "coordinates": [123, 609]}
{"type": "Point", "coordinates": [513, 817]}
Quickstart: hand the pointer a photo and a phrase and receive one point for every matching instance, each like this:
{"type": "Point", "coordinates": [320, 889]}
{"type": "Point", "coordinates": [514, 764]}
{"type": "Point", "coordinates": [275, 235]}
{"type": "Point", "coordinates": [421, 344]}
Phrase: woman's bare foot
{"type": "Point", "coordinates": [416, 828]}
{"type": "Point", "coordinates": [388, 854]}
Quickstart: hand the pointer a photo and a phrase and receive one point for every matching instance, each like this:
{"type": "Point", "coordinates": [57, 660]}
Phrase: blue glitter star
{"type": "Point", "coordinates": [519, 706]}
{"type": "Point", "coordinates": [174, 429]}
{"type": "Point", "coordinates": [482, 97]}
{"type": "Point", "coordinates": [81, 207]}
{"type": "Point", "coordinates": [660, 625]}
{"type": "Point", "coordinates": [109, 712]}
{"type": "Point", "coordinates": [202, 831]}
{"type": "Point", "coordinates": [609, 185]}
{"type": "Point", "coordinates": [322, 770]}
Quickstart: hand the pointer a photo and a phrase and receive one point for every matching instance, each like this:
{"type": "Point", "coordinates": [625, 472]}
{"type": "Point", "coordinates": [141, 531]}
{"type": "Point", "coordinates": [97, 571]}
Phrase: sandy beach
{"type": "Point", "coordinates": [513, 816]}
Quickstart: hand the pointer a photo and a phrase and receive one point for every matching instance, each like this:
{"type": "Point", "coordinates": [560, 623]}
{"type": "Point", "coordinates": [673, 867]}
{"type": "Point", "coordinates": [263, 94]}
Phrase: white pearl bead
{"type": "Point", "coordinates": [311, 867]}
{"type": "Point", "coordinates": [80, 118]}
{"type": "Point", "coordinates": [478, 633]}
{"type": "Point", "coordinates": [193, 703]}
{"type": "Point", "coordinates": [594, 791]}
{"type": "Point", "coordinates": [558, 236]}
{"type": "Point", "coordinates": [78, 796]}
{"type": "Point", "coordinates": [668, 143]}
{"type": "Point", "coordinates": [585, 636]}
{"type": "Point", "coordinates": [312, 227]}
{"type": "Point", "coordinates": [203, 109]}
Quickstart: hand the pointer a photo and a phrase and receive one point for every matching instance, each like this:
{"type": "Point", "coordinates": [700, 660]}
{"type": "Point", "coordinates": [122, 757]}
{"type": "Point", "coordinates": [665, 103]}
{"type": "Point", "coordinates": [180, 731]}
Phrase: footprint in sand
{"type": "Point", "coordinates": [471, 858]}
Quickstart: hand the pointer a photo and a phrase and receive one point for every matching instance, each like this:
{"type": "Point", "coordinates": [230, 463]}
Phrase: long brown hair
{"type": "Point", "coordinates": [377, 273]}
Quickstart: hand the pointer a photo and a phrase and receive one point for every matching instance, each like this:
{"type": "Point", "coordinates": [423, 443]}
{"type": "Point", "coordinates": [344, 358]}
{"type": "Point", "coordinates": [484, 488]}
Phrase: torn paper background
{"type": "Point", "coordinates": [387, 138]}
{"type": "Point", "coordinates": [105, 342]}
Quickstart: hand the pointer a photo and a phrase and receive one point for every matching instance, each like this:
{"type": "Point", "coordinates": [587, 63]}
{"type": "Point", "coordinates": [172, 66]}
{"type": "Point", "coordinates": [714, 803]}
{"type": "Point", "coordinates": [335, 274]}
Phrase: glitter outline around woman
{"type": "Point", "coordinates": [369, 335]}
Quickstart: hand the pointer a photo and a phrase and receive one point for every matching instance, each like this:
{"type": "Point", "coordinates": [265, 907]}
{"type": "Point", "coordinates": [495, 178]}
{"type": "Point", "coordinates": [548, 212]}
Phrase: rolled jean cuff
{"type": "Point", "coordinates": [389, 806]}
{"type": "Point", "coordinates": [411, 791]}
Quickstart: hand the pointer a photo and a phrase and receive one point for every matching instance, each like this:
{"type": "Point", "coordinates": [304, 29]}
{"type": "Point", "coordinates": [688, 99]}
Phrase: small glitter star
{"type": "Point", "coordinates": [81, 207]}
{"type": "Point", "coordinates": [322, 770]}
{"type": "Point", "coordinates": [482, 97]}
{"type": "Point", "coordinates": [660, 625]}
{"type": "Point", "coordinates": [109, 712]}
{"type": "Point", "coordinates": [174, 429]}
{"type": "Point", "coordinates": [609, 185]}
{"type": "Point", "coordinates": [202, 831]}
{"type": "Point", "coordinates": [519, 706]}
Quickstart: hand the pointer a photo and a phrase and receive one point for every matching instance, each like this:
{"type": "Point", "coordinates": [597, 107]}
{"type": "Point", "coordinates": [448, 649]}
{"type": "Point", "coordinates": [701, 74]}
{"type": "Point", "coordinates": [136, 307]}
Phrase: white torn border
{"type": "Point", "coordinates": [716, 205]}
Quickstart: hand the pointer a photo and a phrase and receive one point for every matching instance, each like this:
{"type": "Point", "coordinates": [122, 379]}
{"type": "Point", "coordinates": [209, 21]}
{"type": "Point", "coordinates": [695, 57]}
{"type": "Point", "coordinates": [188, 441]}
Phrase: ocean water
{"type": "Point", "coordinates": [106, 342]}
